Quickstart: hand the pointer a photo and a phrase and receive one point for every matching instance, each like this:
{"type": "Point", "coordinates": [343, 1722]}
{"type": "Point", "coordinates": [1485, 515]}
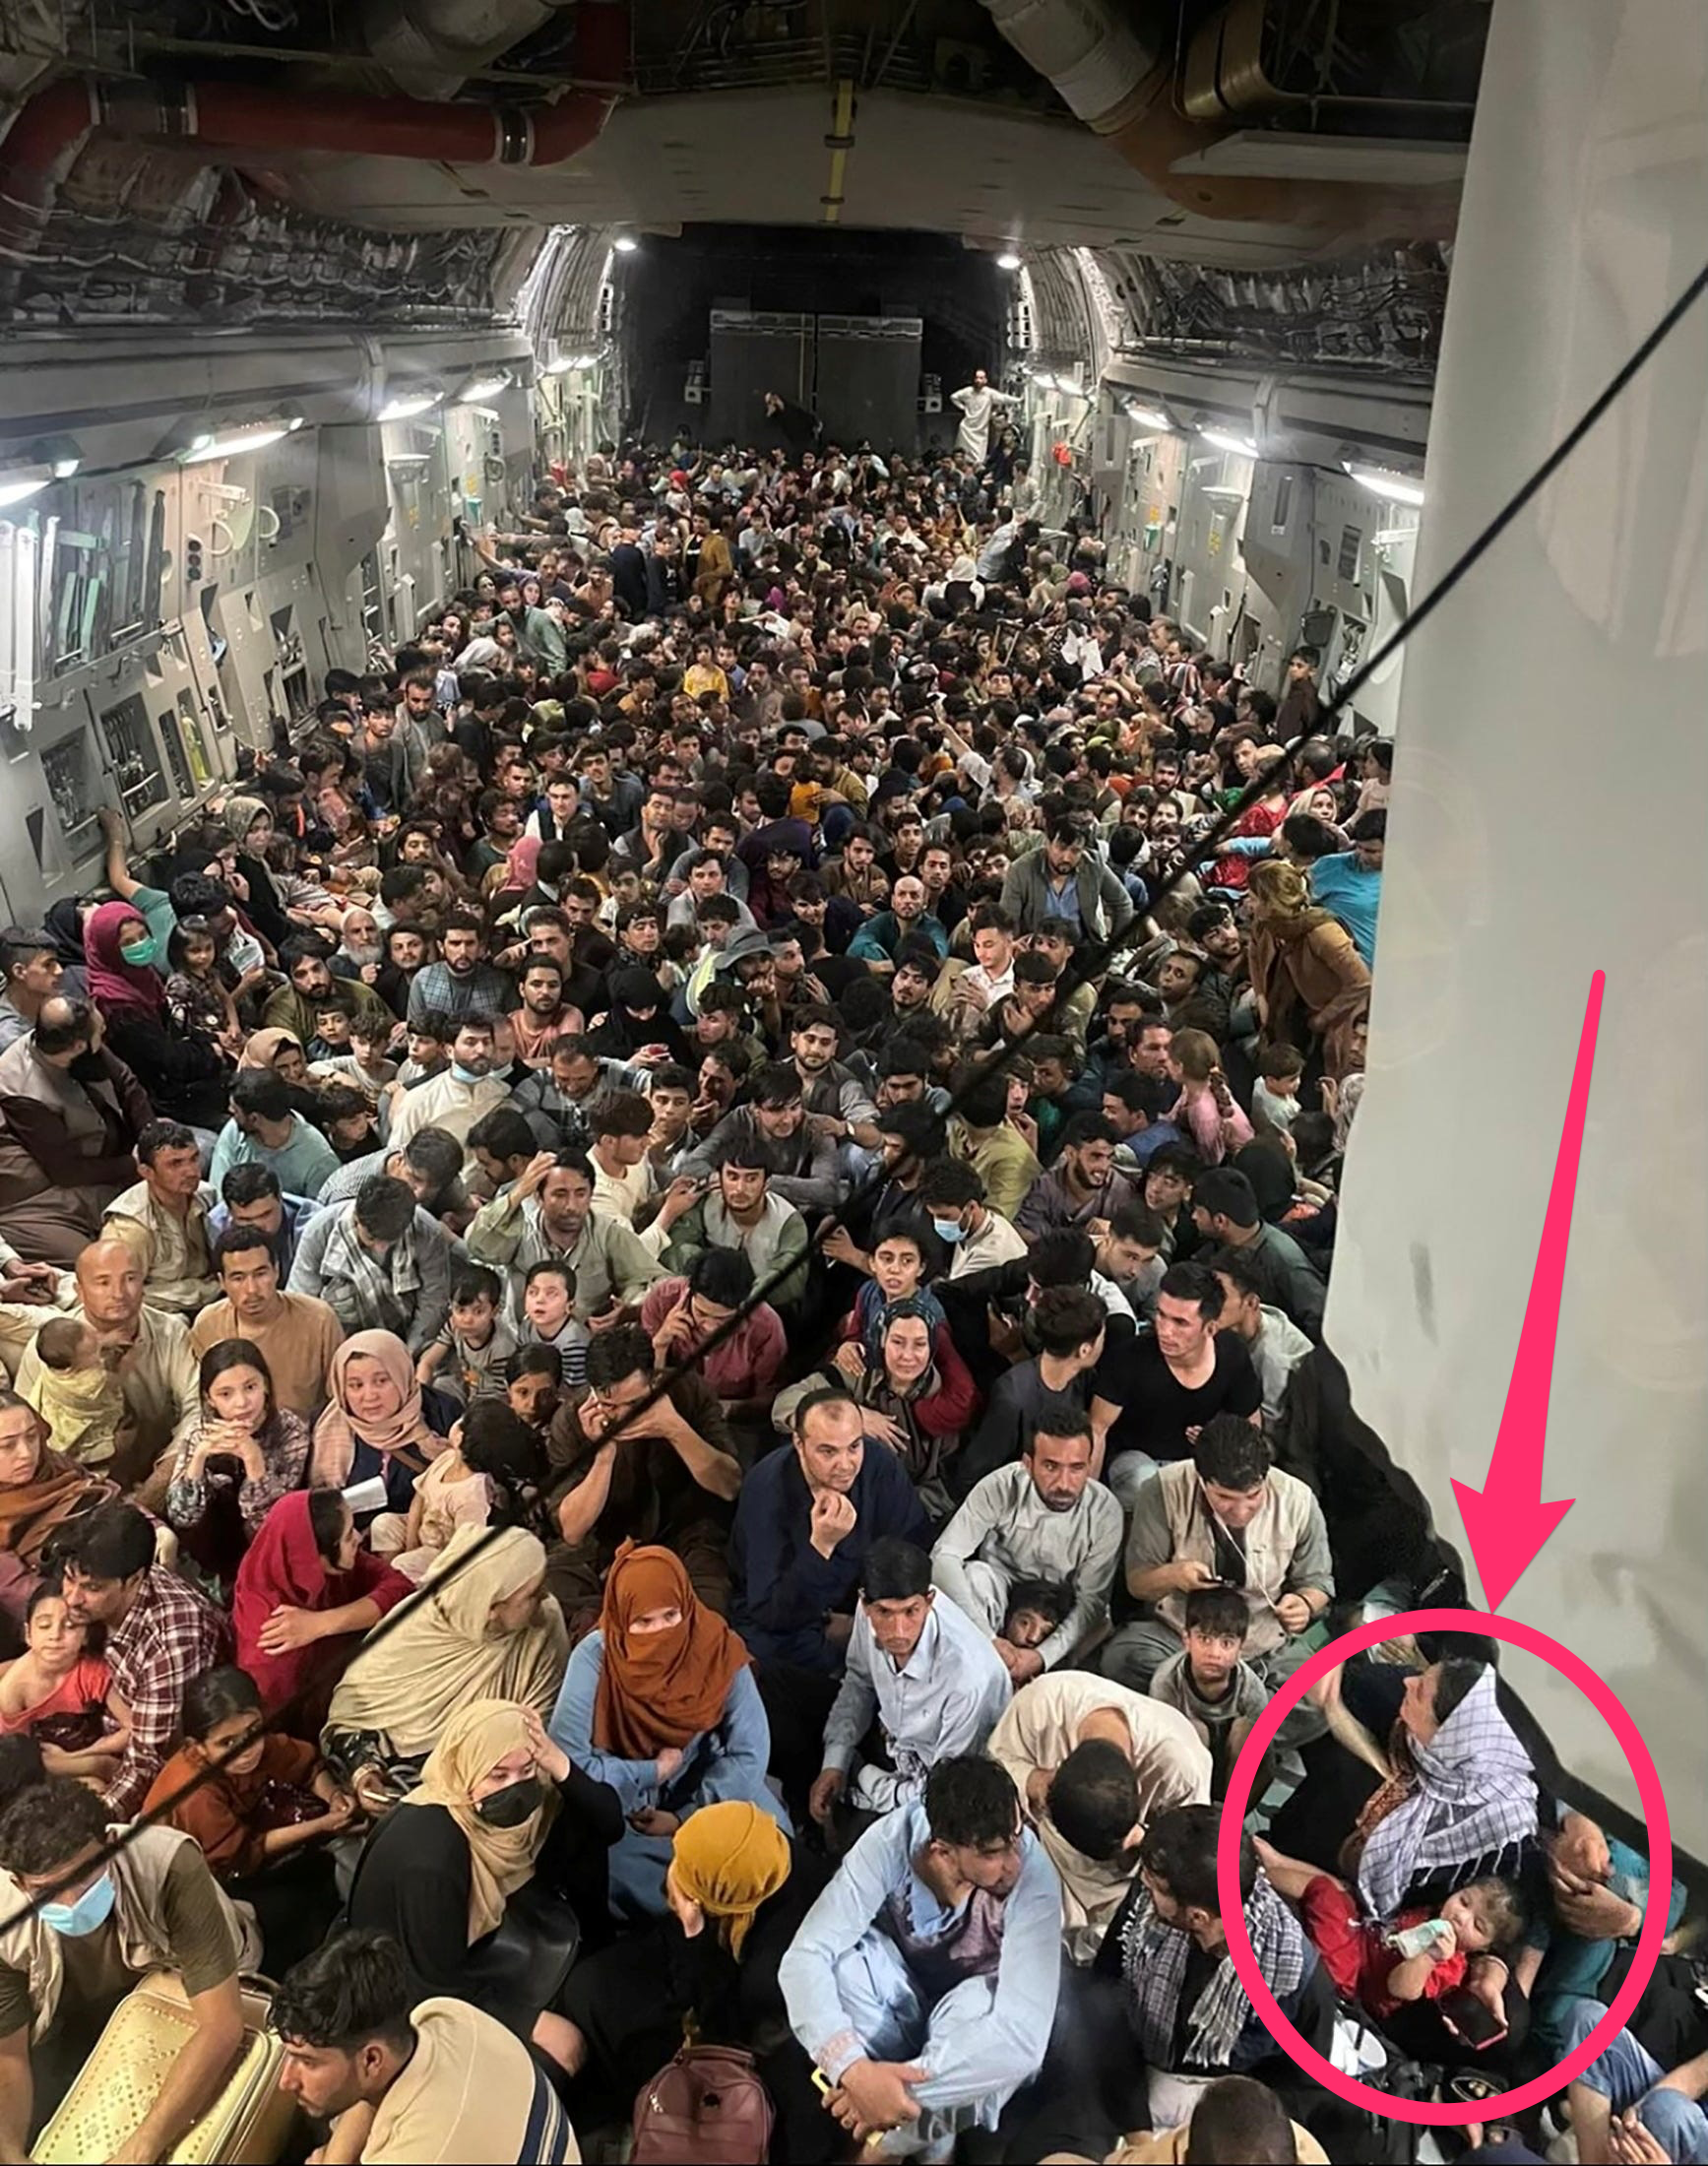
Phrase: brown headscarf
{"type": "Point", "coordinates": [56, 1491]}
{"type": "Point", "coordinates": [659, 1689]}
{"type": "Point", "coordinates": [260, 1049]}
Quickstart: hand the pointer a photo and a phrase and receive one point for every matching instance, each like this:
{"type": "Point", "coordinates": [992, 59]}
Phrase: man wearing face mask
{"type": "Point", "coordinates": [70, 1117]}
{"type": "Point", "coordinates": [461, 1095]}
{"type": "Point", "coordinates": [112, 1916]}
{"type": "Point", "coordinates": [978, 1239]}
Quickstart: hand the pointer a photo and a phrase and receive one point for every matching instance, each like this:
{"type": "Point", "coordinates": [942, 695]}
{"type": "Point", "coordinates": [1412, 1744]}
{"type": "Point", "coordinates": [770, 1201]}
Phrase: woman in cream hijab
{"type": "Point", "coordinates": [482, 1628]}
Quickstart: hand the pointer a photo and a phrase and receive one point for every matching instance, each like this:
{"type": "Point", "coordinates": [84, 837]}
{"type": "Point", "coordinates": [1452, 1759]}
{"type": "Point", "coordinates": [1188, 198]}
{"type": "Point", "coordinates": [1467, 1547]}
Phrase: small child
{"type": "Point", "coordinates": [1205, 1112]}
{"type": "Point", "coordinates": [345, 1118]}
{"type": "Point", "coordinates": [368, 1066]}
{"type": "Point", "coordinates": [1219, 1695]}
{"type": "Point", "coordinates": [475, 1341]}
{"type": "Point", "coordinates": [197, 1002]}
{"type": "Point", "coordinates": [1361, 1955]}
{"type": "Point", "coordinates": [1274, 1094]}
{"type": "Point", "coordinates": [492, 1475]}
{"type": "Point", "coordinates": [81, 1399]}
{"type": "Point", "coordinates": [429, 1050]}
{"type": "Point", "coordinates": [1035, 1608]}
{"type": "Point", "coordinates": [61, 1694]}
{"type": "Point", "coordinates": [548, 1316]}
{"type": "Point", "coordinates": [535, 1384]}
{"type": "Point", "coordinates": [333, 1017]}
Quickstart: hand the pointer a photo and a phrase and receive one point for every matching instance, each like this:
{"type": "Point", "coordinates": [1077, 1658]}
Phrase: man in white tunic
{"type": "Point", "coordinates": [977, 403]}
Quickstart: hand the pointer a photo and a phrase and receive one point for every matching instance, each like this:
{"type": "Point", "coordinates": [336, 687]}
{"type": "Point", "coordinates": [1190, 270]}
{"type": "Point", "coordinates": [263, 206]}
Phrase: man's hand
{"type": "Point", "coordinates": [830, 1125]}
{"type": "Point", "coordinates": [831, 1785]}
{"type": "Point", "coordinates": [1189, 1574]}
{"type": "Point", "coordinates": [604, 1318]}
{"type": "Point", "coordinates": [533, 1174]}
{"type": "Point", "coordinates": [840, 1246]}
{"type": "Point", "coordinates": [834, 1519]}
{"type": "Point", "coordinates": [1293, 1612]}
{"type": "Point", "coordinates": [34, 1283]}
{"type": "Point", "coordinates": [680, 1196]}
{"type": "Point", "coordinates": [1629, 2143]}
{"type": "Point", "coordinates": [652, 1820]}
{"type": "Point", "coordinates": [874, 2094]}
{"type": "Point", "coordinates": [671, 1334]}
{"type": "Point", "coordinates": [1022, 1663]}
{"type": "Point", "coordinates": [1590, 1911]}
{"type": "Point", "coordinates": [1037, 1791]}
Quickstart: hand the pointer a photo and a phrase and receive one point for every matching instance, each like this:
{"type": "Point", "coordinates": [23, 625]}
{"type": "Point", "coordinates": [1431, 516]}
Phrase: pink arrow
{"type": "Point", "coordinates": [1506, 1521]}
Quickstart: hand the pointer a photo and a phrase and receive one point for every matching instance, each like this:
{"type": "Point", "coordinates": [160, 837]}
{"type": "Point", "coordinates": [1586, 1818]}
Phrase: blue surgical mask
{"type": "Point", "coordinates": [90, 1911]}
{"type": "Point", "coordinates": [467, 1075]}
{"type": "Point", "coordinates": [949, 1229]}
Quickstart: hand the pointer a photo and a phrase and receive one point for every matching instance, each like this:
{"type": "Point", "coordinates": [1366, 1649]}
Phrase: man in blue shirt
{"type": "Point", "coordinates": [924, 1981]}
{"type": "Point", "coordinates": [1349, 885]}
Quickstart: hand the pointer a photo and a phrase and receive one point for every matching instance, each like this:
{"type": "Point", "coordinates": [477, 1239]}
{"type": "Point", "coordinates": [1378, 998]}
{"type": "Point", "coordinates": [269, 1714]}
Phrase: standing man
{"type": "Point", "coordinates": [978, 405]}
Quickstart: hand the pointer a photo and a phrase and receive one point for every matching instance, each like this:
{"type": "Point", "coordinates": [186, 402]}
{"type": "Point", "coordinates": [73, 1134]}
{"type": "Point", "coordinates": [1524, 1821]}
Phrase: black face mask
{"type": "Point", "coordinates": [513, 1803]}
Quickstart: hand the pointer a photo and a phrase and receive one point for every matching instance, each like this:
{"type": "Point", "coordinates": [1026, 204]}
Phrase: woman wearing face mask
{"type": "Point", "coordinates": [660, 1703]}
{"type": "Point", "coordinates": [500, 1810]}
{"type": "Point", "coordinates": [185, 1076]}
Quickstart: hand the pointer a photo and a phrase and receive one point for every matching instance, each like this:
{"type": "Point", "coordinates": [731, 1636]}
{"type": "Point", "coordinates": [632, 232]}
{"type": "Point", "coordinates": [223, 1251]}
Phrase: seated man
{"type": "Point", "coordinates": [456, 1100]}
{"type": "Point", "coordinates": [1082, 1186]}
{"type": "Point", "coordinates": [1068, 1325]}
{"type": "Point", "coordinates": [266, 1129]}
{"type": "Point", "coordinates": [1093, 1765]}
{"type": "Point", "coordinates": [1226, 1516]}
{"type": "Point", "coordinates": [682, 1314]}
{"type": "Point", "coordinates": [1042, 1518]}
{"type": "Point", "coordinates": [666, 1475]}
{"type": "Point", "coordinates": [741, 1212]}
{"type": "Point", "coordinates": [164, 1220]}
{"type": "Point", "coordinates": [549, 1215]}
{"type": "Point", "coordinates": [1177, 1378]}
{"type": "Point", "coordinates": [439, 2081]}
{"type": "Point", "coordinates": [1163, 2012]}
{"type": "Point", "coordinates": [108, 1916]}
{"type": "Point", "coordinates": [430, 1167]}
{"type": "Point", "coordinates": [151, 1356]}
{"type": "Point", "coordinates": [380, 1264]}
{"type": "Point", "coordinates": [922, 1669]}
{"type": "Point", "coordinates": [1234, 1230]}
{"type": "Point", "coordinates": [298, 1335]}
{"type": "Point", "coordinates": [922, 1982]}
{"type": "Point", "coordinates": [1274, 1342]}
{"type": "Point", "coordinates": [250, 1195]}
{"type": "Point", "coordinates": [158, 1635]}
{"type": "Point", "coordinates": [805, 1157]}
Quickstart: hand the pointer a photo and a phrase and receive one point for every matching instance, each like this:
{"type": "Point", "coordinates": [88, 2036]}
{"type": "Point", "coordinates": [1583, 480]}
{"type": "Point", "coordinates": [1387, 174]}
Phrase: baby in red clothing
{"type": "Point", "coordinates": [1360, 1957]}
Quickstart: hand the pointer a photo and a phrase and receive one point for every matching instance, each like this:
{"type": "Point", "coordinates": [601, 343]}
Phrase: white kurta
{"type": "Point", "coordinates": [977, 411]}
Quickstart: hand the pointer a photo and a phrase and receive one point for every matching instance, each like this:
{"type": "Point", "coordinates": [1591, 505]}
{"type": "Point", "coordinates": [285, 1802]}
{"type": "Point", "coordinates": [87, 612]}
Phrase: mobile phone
{"type": "Point", "coordinates": [1471, 2018]}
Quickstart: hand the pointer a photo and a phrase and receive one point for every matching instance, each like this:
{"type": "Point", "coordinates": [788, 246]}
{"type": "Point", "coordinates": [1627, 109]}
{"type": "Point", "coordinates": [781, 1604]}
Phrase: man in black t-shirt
{"type": "Point", "coordinates": [1176, 1378]}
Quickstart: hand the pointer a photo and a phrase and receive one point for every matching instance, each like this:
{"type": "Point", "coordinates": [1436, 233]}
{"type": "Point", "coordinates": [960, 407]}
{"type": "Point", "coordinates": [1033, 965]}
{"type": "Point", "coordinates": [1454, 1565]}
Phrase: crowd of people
{"type": "Point", "coordinates": [657, 1295]}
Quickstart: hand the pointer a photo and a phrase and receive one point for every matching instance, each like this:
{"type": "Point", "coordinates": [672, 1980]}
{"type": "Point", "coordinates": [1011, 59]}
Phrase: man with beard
{"type": "Point", "coordinates": [543, 1015]}
{"type": "Point", "coordinates": [463, 981]}
{"type": "Point", "coordinates": [879, 940]}
{"type": "Point", "coordinates": [837, 1104]}
{"type": "Point", "coordinates": [456, 1100]}
{"type": "Point", "coordinates": [294, 1008]}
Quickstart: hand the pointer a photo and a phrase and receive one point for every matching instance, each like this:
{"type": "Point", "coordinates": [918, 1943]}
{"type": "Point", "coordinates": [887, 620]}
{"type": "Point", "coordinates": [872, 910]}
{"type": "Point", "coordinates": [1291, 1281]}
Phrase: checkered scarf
{"type": "Point", "coordinates": [1154, 1965]}
{"type": "Point", "coordinates": [1474, 1792]}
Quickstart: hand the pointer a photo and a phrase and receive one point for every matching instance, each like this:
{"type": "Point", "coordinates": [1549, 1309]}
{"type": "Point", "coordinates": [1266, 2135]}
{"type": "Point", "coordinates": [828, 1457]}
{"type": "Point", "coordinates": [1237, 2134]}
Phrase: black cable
{"type": "Point", "coordinates": [1098, 960]}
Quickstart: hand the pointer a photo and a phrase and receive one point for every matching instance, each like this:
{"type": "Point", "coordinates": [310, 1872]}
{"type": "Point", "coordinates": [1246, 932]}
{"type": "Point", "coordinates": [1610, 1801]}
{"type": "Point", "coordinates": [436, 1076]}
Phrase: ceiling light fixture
{"type": "Point", "coordinates": [256, 437]}
{"type": "Point", "coordinates": [1145, 416]}
{"type": "Point", "coordinates": [64, 469]}
{"type": "Point", "coordinates": [478, 389]}
{"type": "Point", "coordinates": [1393, 489]}
{"type": "Point", "coordinates": [625, 244]}
{"type": "Point", "coordinates": [1242, 447]}
{"type": "Point", "coordinates": [408, 405]}
{"type": "Point", "coordinates": [1008, 261]}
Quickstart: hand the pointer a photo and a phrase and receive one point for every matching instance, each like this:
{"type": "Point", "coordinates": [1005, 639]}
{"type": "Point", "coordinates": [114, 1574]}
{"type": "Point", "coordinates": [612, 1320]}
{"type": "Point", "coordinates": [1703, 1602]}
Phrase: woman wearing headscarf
{"type": "Point", "coordinates": [305, 1592]}
{"type": "Point", "coordinates": [1310, 980]}
{"type": "Point", "coordinates": [660, 1703]}
{"type": "Point", "coordinates": [736, 1890]}
{"type": "Point", "coordinates": [483, 1628]}
{"type": "Point", "coordinates": [375, 1427]}
{"type": "Point", "coordinates": [40, 1492]}
{"type": "Point", "coordinates": [186, 1075]}
{"type": "Point", "coordinates": [64, 922]}
{"type": "Point", "coordinates": [499, 1807]}
{"type": "Point", "coordinates": [250, 820]}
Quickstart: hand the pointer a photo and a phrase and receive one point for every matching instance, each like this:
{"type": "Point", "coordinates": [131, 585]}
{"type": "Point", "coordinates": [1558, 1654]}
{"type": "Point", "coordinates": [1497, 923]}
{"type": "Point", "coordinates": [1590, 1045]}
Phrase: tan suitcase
{"type": "Point", "coordinates": [246, 2124]}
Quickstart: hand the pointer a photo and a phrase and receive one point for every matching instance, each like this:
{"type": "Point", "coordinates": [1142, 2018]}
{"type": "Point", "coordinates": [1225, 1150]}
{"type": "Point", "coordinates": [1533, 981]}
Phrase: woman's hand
{"type": "Point", "coordinates": [667, 1763]}
{"type": "Point", "coordinates": [850, 1360]}
{"type": "Point", "coordinates": [652, 1821]}
{"type": "Point", "coordinates": [287, 1629]}
{"type": "Point", "coordinates": [549, 1757]}
{"type": "Point", "coordinates": [881, 1429]}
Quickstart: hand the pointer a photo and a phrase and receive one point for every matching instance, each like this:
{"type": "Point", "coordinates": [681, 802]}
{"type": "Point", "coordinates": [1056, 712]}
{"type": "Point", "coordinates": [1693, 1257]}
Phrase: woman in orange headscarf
{"type": "Point", "coordinates": [660, 1703]}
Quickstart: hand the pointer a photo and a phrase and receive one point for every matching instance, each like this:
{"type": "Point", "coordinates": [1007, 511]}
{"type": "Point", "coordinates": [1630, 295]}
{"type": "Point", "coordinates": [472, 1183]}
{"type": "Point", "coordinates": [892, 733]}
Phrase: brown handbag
{"type": "Point", "coordinates": [705, 2107]}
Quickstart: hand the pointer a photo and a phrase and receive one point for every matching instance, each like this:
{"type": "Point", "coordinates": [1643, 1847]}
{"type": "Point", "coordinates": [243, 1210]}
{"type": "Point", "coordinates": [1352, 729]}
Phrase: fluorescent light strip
{"type": "Point", "coordinates": [1393, 489]}
{"type": "Point", "coordinates": [1242, 447]}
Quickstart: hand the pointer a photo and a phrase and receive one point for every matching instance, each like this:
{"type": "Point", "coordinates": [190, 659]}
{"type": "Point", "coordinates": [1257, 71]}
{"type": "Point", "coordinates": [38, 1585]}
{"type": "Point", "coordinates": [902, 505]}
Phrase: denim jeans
{"type": "Point", "coordinates": [1625, 2076]}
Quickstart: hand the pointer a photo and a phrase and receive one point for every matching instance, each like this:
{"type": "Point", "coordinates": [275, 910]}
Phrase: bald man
{"type": "Point", "coordinates": [149, 1351]}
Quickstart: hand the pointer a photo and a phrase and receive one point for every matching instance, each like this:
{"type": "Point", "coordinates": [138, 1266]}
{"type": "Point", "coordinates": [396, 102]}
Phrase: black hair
{"type": "Point", "coordinates": [21, 1767]}
{"type": "Point", "coordinates": [156, 1136]}
{"type": "Point", "coordinates": [47, 1823]}
{"type": "Point", "coordinates": [227, 1354]}
{"type": "Point", "coordinates": [1066, 1317]}
{"type": "Point", "coordinates": [1236, 2119]}
{"type": "Point", "coordinates": [504, 1132]}
{"type": "Point", "coordinates": [722, 1275]}
{"type": "Point", "coordinates": [1196, 1283]}
{"type": "Point", "coordinates": [1057, 1415]}
{"type": "Point", "coordinates": [113, 1542]}
{"type": "Point", "coordinates": [971, 1802]}
{"type": "Point", "coordinates": [1453, 1682]}
{"type": "Point", "coordinates": [741, 1150]}
{"type": "Point", "coordinates": [385, 1207]}
{"type": "Point", "coordinates": [1179, 1850]}
{"type": "Point", "coordinates": [895, 1570]}
{"type": "Point", "coordinates": [498, 1443]}
{"type": "Point", "coordinates": [1218, 1612]}
{"type": "Point", "coordinates": [1230, 1453]}
{"type": "Point", "coordinates": [328, 1518]}
{"type": "Point", "coordinates": [825, 1395]}
{"type": "Point", "coordinates": [625, 1350]}
{"type": "Point", "coordinates": [249, 1183]}
{"type": "Point", "coordinates": [436, 1154]}
{"type": "Point", "coordinates": [1051, 1599]}
{"type": "Point", "coordinates": [984, 1103]}
{"type": "Point", "coordinates": [1094, 1799]}
{"type": "Point", "coordinates": [476, 1282]}
{"type": "Point", "coordinates": [213, 1696]}
{"type": "Point", "coordinates": [952, 1182]}
{"type": "Point", "coordinates": [260, 1092]}
{"type": "Point", "coordinates": [354, 1989]}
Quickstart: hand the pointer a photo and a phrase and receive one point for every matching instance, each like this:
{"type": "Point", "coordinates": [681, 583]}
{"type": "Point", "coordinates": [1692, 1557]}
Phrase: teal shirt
{"type": "Point", "coordinates": [303, 1167]}
{"type": "Point", "coordinates": [162, 919]}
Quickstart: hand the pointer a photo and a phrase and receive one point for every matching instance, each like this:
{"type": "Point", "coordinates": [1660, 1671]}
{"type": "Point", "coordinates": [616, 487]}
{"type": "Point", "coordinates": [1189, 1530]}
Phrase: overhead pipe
{"type": "Point", "coordinates": [49, 131]}
{"type": "Point", "coordinates": [1122, 84]}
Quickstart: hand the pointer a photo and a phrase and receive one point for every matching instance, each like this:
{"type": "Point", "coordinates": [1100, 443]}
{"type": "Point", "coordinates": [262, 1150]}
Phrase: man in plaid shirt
{"type": "Point", "coordinates": [159, 1637]}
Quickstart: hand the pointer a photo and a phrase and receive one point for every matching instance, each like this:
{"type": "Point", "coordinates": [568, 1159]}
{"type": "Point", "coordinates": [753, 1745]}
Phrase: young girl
{"type": "Point", "coordinates": [62, 1695]}
{"type": "Point", "coordinates": [245, 1455]}
{"type": "Point", "coordinates": [197, 1002]}
{"type": "Point", "coordinates": [1205, 1111]}
{"type": "Point", "coordinates": [268, 1798]}
{"type": "Point", "coordinates": [492, 1475]}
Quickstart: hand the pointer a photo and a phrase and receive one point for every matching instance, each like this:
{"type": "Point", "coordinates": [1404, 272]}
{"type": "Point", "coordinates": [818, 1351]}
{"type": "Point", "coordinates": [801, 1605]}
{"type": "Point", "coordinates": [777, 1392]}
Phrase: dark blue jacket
{"type": "Point", "coordinates": [782, 1589]}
